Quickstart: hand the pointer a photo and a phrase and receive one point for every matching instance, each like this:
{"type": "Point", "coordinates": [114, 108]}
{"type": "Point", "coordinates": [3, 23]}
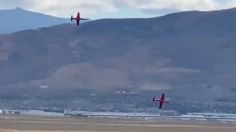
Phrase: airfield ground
{"type": "Point", "coordinates": [71, 124]}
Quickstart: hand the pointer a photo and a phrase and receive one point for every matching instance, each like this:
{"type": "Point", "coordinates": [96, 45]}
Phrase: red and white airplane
{"type": "Point", "coordinates": [161, 100]}
{"type": "Point", "coordinates": [78, 18]}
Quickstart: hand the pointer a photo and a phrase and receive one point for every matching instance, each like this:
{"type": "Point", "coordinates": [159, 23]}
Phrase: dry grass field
{"type": "Point", "coordinates": [70, 124]}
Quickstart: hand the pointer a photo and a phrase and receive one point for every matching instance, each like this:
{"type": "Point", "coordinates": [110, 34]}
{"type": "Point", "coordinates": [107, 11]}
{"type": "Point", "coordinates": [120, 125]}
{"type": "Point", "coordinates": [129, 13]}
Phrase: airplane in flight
{"type": "Point", "coordinates": [78, 18]}
{"type": "Point", "coordinates": [161, 100]}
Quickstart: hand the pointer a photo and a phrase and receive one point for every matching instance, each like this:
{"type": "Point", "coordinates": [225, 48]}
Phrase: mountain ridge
{"type": "Point", "coordinates": [19, 19]}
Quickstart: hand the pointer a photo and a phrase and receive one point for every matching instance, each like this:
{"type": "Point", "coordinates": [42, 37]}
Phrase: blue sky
{"type": "Point", "coordinates": [96, 9]}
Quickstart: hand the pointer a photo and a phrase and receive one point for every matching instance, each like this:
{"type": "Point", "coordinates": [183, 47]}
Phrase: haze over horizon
{"type": "Point", "coordinates": [116, 8]}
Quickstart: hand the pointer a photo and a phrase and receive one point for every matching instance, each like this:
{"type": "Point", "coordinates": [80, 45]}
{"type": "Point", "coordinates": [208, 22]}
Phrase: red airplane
{"type": "Point", "coordinates": [161, 100]}
{"type": "Point", "coordinates": [78, 18]}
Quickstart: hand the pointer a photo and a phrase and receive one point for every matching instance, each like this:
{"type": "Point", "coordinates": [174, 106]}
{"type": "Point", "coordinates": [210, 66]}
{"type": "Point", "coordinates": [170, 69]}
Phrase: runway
{"type": "Point", "coordinates": [71, 124]}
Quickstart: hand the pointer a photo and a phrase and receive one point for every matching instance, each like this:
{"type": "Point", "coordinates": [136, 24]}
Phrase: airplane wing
{"type": "Point", "coordinates": [166, 101]}
{"type": "Point", "coordinates": [84, 19]}
{"type": "Point", "coordinates": [154, 99]}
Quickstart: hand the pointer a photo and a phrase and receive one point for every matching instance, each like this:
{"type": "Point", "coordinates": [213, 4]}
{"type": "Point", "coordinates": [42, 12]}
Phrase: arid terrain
{"type": "Point", "coordinates": [70, 124]}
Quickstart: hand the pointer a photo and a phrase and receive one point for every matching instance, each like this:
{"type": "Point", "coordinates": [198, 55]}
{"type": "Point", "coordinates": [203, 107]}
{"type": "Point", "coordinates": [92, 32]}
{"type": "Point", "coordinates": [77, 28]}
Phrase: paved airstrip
{"type": "Point", "coordinates": [13, 123]}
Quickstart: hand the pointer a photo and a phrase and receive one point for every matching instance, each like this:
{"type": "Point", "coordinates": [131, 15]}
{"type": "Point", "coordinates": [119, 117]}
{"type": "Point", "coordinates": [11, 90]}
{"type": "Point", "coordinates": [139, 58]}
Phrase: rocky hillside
{"type": "Point", "coordinates": [189, 54]}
